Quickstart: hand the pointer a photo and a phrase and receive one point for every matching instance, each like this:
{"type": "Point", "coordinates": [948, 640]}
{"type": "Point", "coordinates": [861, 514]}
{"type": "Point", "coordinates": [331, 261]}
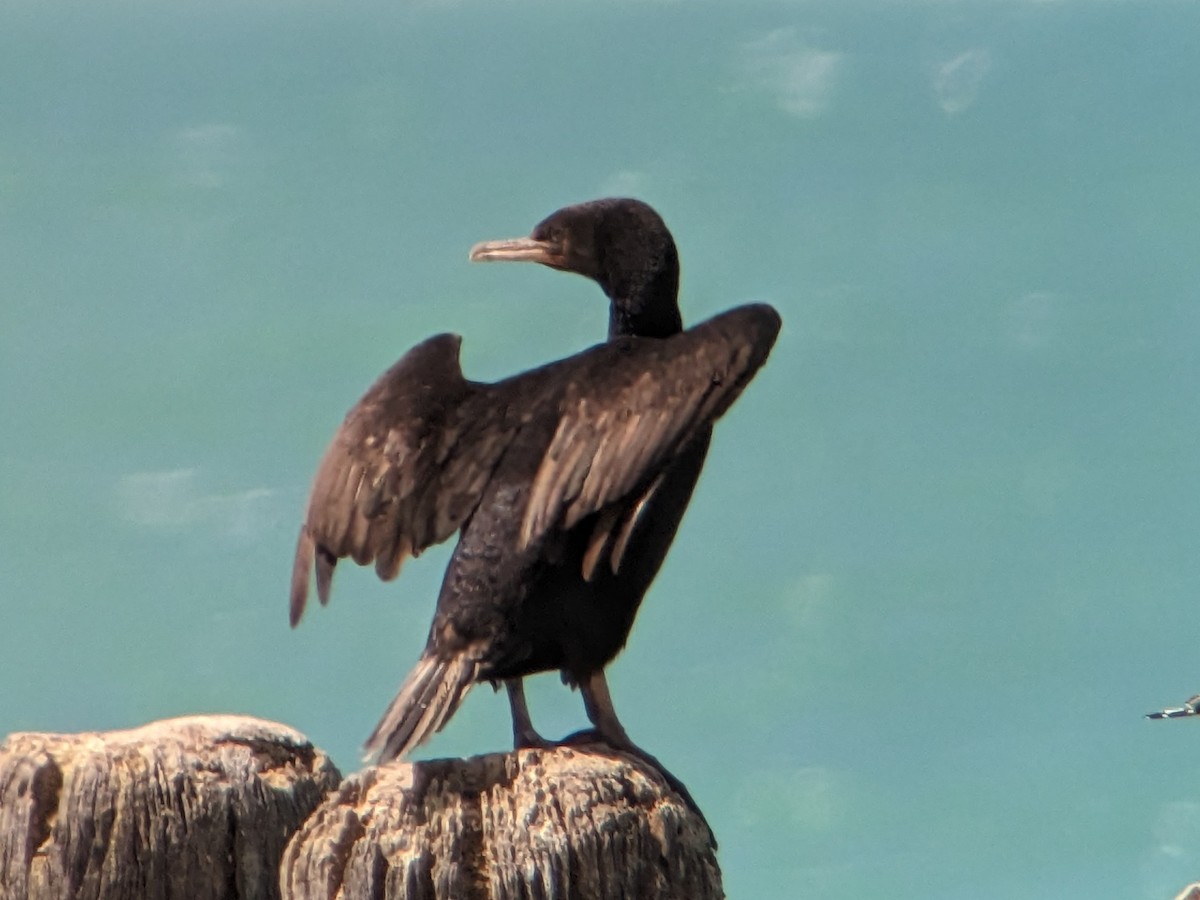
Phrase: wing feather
{"type": "Point", "coordinates": [633, 405]}
{"type": "Point", "coordinates": [404, 471]}
{"type": "Point", "coordinates": [409, 464]}
{"type": "Point", "coordinates": [631, 519]}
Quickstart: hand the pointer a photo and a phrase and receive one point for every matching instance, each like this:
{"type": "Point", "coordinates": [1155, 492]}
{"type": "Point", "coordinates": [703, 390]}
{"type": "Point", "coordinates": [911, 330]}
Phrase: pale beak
{"type": "Point", "coordinates": [547, 253]}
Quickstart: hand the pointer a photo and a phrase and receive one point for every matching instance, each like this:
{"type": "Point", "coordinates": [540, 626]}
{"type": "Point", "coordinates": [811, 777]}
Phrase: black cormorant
{"type": "Point", "coordinates": [567, 482]}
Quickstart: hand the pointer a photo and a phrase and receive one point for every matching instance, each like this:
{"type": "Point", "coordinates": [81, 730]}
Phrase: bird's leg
{"type": "Point", "coordinates": [524, 734]}
{"type": "Point", "coordinates": [598, 703]}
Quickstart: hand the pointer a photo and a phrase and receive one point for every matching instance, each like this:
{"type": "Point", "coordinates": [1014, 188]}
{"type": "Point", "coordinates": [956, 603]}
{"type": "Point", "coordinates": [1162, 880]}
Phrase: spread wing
{"type": "Point", "coordinates": [632, 406]}
{"type": "Point", "coordinates": [403, 472]}
{"type": "Point", "coordinates": [412, 459]}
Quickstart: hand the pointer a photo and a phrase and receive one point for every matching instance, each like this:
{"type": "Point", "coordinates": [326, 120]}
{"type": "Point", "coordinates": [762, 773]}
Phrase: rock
{"type": "Point", "coordinates": [197, 808]}
{"type": "Point", "coordinates": [562, 824]}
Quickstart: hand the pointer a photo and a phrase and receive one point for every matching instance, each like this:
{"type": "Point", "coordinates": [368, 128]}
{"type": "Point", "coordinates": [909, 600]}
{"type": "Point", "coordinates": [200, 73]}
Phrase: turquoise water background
{"type": "Point", "coordinates": [944, 554]}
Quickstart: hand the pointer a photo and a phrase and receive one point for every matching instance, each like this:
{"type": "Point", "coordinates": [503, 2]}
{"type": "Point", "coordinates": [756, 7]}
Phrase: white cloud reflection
{"type": "Point", "coordinates": [956, 83]}
{"type": "Point", "coordinates": [625, 183]}
{"type": "Point", "coordinates": [1033, 320]}
{"type": "Point", "coordinates": [206, 153]}
{"type": "Point", "coordinates": [175, 500]}
{"type": "Point", "coordinates": [799, 77]}
{"type": "Point", "coordinates": [811, 798]}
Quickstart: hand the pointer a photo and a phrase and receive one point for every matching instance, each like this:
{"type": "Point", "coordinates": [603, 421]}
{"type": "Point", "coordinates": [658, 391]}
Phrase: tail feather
{"type": "Point", "coordinates": [425, 703]}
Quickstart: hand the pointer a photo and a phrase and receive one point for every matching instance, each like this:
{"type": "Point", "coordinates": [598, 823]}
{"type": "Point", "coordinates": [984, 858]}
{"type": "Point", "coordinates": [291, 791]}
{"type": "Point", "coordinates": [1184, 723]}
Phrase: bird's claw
{"type": "Point", "coordinates": [593, 737]}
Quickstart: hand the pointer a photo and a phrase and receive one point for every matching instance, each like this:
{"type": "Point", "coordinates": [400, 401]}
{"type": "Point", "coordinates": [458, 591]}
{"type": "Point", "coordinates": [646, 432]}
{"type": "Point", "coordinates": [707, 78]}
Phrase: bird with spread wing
{"type": "Point", "coordinates": [565, 484]}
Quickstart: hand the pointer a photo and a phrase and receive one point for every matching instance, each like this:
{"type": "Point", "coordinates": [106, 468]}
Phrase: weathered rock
{"type": "Point", "coordinates": [184, 809]}
{"type": "Point", "coordinates": [563, 824]}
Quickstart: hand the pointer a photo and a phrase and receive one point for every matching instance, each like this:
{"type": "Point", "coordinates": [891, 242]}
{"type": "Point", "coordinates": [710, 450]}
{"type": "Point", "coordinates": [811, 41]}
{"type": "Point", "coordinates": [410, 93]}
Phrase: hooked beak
{"type": "Point", "coordinates": [547, 253]}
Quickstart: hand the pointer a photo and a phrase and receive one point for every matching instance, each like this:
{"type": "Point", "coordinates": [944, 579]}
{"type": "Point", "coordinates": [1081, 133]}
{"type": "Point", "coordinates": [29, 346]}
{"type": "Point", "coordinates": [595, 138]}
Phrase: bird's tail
{"type": "Point", "coordinates": [425, 703]}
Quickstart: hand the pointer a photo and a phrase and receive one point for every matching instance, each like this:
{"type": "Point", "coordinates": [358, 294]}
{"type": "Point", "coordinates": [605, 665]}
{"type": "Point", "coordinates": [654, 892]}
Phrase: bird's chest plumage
{"type": "Point", "coordinates": [532, 609]}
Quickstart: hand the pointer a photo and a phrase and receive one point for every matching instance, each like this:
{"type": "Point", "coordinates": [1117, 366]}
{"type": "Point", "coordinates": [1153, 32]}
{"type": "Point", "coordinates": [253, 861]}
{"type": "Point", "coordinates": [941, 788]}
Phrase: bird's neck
{"type": "Point", "coordinates": [654, 322]}
{"type": "Point", "coordinates": [649, 310]}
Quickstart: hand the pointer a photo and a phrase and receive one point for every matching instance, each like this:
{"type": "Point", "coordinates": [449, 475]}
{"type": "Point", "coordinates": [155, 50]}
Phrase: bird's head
{"type": "Point", "coordinates": [621, 244]}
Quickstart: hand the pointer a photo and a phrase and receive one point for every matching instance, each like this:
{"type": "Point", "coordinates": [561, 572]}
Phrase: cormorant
{"type": "Point", "coordinates": [567, 482]}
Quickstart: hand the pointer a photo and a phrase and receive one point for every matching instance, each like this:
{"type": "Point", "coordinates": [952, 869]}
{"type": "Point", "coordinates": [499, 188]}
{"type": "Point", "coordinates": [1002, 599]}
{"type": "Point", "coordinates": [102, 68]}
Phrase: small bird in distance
{"type": "Point", "coordinates": [1191, 707]}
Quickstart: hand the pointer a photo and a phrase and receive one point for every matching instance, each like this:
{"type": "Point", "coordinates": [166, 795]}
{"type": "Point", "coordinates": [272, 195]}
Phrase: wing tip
{"type": "Point", "coordinates": [325, 562]}
{"type": "Point", "coordinates": [388, 565]}
{"type": "Point", "coordinates": [309, 555]}
{"type": "Point", "coordinates": [767, 323]}
{"type": "Point", "coordinates": [767, 316]}
{"type": "Point", "coordinates": [301, 570]}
